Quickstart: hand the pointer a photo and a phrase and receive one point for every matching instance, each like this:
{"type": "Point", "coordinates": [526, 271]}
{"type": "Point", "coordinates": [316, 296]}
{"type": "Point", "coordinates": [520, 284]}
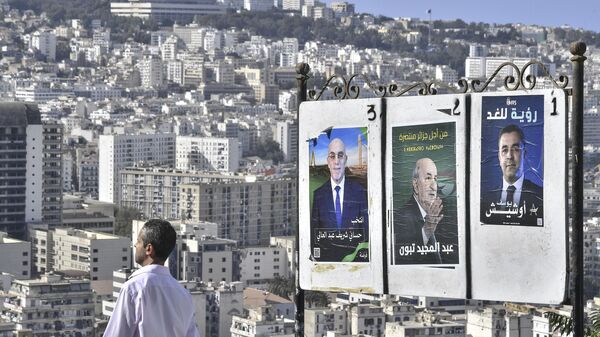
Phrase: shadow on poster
{"type": "Point", "coordinates": [425, 226]}
{"type": "Point", "coordinates": [512, 133]}
{"type": "Point", "coordinates": [339, 219]}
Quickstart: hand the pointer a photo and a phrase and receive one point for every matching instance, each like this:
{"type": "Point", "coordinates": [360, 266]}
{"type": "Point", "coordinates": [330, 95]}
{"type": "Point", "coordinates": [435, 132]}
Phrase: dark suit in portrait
{"type": "Point", "coordinates": [354, 217]}
{"type": "Point", "coordinates": [408, 230]}
{"type": "Point", "coordinates": [531, 203]}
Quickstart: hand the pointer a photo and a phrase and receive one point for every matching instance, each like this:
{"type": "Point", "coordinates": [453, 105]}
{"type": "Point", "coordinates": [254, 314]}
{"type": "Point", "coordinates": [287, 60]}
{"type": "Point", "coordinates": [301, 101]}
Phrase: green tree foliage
{"type": "Point", "coordinates": [123, 218]}
{"type": "Point", "coordinates": [316, 299]}
{"type": "Point", "coordinates": [282, 286]}
{"type": "Point", "coordinates": [269, 149]}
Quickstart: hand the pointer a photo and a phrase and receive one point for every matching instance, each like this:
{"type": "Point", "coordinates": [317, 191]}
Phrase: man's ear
{"type": "Point", "coordinates": [149, 250]}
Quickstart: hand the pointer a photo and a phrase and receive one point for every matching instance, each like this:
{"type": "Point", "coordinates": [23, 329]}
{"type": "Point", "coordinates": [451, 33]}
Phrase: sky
{"type": "Point", "coordinates": [576, 13]}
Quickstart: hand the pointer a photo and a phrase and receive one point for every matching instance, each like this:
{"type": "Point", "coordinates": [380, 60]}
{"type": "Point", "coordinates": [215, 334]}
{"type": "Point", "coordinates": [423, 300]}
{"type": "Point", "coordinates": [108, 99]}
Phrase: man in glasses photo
{"type": "Point", "coordinates": [341, 202]}
{"type": "Point", "coordinates": [519, 201]}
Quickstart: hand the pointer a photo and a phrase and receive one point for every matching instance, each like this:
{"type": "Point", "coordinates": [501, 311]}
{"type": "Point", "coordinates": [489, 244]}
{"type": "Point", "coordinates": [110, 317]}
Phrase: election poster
{"type": "Point", "coordinates": [519, 231]}
{"type": "Point", "coordinates": [426, 199]}
{"type": "Point", "coordinates": [340, 185]}
{"type": "Point", "coordinates": [512, 166]}
{"type": "Point", "coordinates": [425, 227]}
{"type": "Point", "coordinates": [339, 216]}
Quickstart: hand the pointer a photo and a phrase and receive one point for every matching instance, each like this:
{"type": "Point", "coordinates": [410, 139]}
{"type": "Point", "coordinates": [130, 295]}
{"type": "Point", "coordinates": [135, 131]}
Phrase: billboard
{"type": "Point", "coordinates": [425, 184]}
{"type": "Point", "coordinates": [340, 196]}
{"type": "Point", "coordinates": [519, 227]}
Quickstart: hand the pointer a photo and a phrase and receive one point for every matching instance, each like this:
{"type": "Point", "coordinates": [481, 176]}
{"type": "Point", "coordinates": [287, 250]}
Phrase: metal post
{"type": "Point", "coordinates": [577, 50]}
{"type": "Point", "coordinates": [302, 70]}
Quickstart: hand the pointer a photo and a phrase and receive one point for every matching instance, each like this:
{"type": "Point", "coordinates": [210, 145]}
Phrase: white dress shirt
{"type": "Point", "coordinates": [518, 185]}
{"type": "Point", "coordinates": [153, 304]}
{"type": "Point", "coordinates": [341, 185]}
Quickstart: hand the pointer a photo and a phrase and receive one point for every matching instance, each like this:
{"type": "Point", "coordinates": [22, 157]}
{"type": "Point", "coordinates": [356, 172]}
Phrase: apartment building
{"type": "Point", "coordinates": [117, 152]}
{"type": "Point", "coordinates": [50, 306]}
{"type": "Point", "coordinates": [207, 154]}
{"type": "Point", "coordinates": [21, 167]}
{"type": "Point", "coordinates": [16, 256]}
{"type": "Point", "coordinates": [96, 253]}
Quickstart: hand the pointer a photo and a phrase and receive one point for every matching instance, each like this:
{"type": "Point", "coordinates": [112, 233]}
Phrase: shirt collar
{"type": "Point", "coordinates": [518, 184]}
{"type": "Point", "coordinates": [151, 268]}
{"type": "Point", "coordinates": [341, 184]}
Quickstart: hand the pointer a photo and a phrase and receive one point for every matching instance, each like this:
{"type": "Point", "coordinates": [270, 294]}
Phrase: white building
{"type": "Point", "coordinates": [117, 152]}
{"type": "Point", "coordinates": [151, 71]}
{"type": "Point", "coordinates": [50, 305]}
{"type": "Point", "coordinates": [207, 154]}
{"type": "Point", "coordinates": [98, 254]}
{"type": "Point", "coordinates": [286, 135]}
{"type": "Point", "coordinates": [446, 74]}
{"type": "Point", "coordinates": [16, 257]}
{"type": "Point", "coordinates": [319, 321]}
{"type": "Point", "coordinates": [367, 319]}
{"type": "Point", "coordinates": [259, 265]}
{"type": "Point", "coordinates": [258, 5]}
{"type": "Point", "coordinates": [261, 322]}
{"type": "Point", "coordinates": [287, 102]}
{"type": "Point", "coordinates": [163, 9]}
{"type": "Point", "coordinates": [292, 5]}
{"type": "Point", "coordinates": [45, 42]}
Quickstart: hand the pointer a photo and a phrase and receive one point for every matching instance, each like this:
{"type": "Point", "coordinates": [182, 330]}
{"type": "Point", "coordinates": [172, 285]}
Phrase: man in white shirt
{"type": "Point", "coordinates": [152, 303]}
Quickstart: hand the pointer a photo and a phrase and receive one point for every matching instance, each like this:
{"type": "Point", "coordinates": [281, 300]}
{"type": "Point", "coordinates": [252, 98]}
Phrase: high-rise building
{"type": "Point", "coordinates": [45, 42]}
{"type": "Point", "coordinates": [207, 154]}
{"type": "Point", "coordinates": [117, 152]}
{"type": "Point", "coordinates": [21, 167]}
{"type": "Point", "coordinates": [151, 71]}
{"type": "Point", "coordinates": [286, 135]}
{"type": "Point", "coordinates": [52, 175]}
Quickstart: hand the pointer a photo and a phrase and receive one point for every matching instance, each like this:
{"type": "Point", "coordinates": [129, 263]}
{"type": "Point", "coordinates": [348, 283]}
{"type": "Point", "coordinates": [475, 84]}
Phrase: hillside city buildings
{"type": "Point", "coordinates": [197, 125]}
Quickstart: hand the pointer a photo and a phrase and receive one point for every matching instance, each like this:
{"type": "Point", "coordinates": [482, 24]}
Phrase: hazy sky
{"type": "Point", "coordinates": [576, 13]}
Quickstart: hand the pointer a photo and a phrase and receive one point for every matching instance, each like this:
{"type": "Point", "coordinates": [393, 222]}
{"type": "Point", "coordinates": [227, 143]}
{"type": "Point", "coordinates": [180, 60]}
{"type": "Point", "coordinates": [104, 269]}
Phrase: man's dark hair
{"type": "Point", "coordinates": [161, 235]}
{"type": "Point", "coordinates": [512, 128]}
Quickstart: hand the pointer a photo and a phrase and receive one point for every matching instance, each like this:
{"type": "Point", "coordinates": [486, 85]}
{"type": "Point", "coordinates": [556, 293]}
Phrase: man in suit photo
{"type": "Point", "coordinates": [340, 203]}
{"type": "Point", "coordinates": [518, 201]}
{"type": "Point", "coordinates": [418, 221]}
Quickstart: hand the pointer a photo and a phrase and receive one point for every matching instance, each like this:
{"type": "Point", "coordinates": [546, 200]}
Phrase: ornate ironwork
{"type": "Point", "coordinates": [344, 88]}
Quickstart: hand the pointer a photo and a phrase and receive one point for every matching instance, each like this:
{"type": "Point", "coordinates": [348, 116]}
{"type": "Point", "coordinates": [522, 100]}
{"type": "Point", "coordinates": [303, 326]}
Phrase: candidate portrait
{"type": "Point", "coordinates": [517, 200]}
{"type": "Point", "coordinates": [341, 202]}
{"type": "Point", "coordinates": [419, 222]}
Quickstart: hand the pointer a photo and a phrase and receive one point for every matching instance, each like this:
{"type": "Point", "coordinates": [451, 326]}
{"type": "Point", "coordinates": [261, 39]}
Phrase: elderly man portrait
{"type": "Point", "coordinates": [341, 202]}
{"type": "Point", "coordinates": [421, 222]}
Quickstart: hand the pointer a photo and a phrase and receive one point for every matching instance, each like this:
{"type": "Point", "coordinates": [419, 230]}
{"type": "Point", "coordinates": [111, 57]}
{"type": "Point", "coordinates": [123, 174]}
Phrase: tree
{"type": "Point", "coordinates": [565, 324]}
{"type": "Point", "coordinates": [316, 298]}
{"type": "Point", "coordinates": [282, 286]}
{"type": "Point", "coordinates": [269, 149]}
{"type": "Point", "coordinates": [123, 218]}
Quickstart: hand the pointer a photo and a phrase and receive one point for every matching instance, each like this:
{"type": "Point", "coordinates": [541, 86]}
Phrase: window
{"type": "Point", "coordinates": [224, 259]}
{"type": "Point", "coordinates": [95, 259]}
{"type": "Point", "coordinates": [210, 259]}
{"type": "Point", "coordinates": [210, 270]}
{"type": "Point", "coordinates": [95, 269]}
{"type": "Point", "coordinates": [25, 263]}
{"type": "Point", "coordinates": [223, 269]}
{"type": "Point", "coordinates": [25, 253]}
{"type": "Point", "coordinates": [124, 258]}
